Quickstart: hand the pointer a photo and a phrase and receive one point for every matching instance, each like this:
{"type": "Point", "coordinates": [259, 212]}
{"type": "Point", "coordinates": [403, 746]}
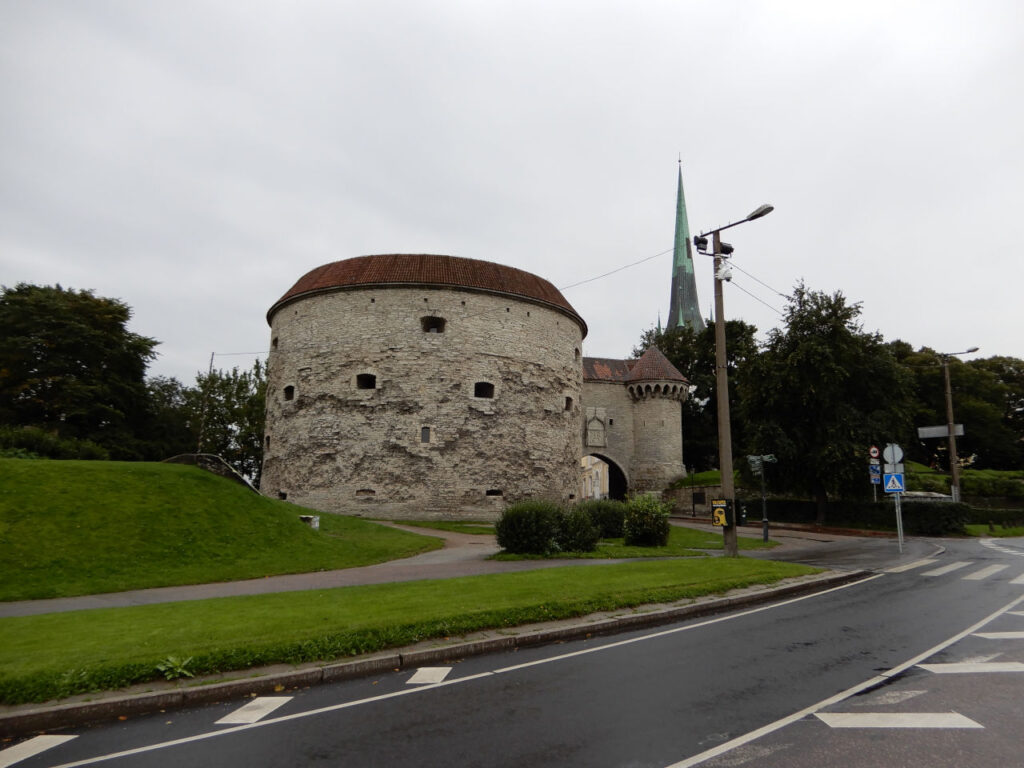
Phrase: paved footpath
{"type": "Point", "coordinates": [463, 555]}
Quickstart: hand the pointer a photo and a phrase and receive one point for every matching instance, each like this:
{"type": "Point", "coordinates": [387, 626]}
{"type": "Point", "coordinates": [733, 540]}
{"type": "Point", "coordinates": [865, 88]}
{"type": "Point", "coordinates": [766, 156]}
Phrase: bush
{"type": "Point", "coordinates": [529, 528]}
{"type": "Point", "coordinates": [577, 531]}
{"type": "Point", "coordinates": [38, 442]}
{"type": "Point", "coordinates": [920, 518]}
{"type": "Point", "coordinates": [646, 523]}
{"type": "Point", "coordinates": [607, 515]}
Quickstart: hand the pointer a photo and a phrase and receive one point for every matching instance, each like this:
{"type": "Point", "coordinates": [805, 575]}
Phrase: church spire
{"type": "Point", "coordinates": [683, 306]}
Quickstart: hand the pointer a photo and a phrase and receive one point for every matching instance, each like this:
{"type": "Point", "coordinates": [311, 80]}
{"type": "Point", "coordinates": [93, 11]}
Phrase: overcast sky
{"type": "Point", "coordinates": [194, 159]}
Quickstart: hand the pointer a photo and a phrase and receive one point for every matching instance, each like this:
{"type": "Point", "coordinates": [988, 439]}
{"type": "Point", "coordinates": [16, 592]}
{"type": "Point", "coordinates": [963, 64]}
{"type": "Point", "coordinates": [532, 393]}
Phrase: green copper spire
{"type": "Point", "coordinates": [683, 306]}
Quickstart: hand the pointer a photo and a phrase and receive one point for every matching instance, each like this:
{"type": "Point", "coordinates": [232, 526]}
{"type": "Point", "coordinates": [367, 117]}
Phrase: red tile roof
{"type": "Point", "coordinates": [428, 269]}
{"type": "Point", "coordinates": [651, 366]}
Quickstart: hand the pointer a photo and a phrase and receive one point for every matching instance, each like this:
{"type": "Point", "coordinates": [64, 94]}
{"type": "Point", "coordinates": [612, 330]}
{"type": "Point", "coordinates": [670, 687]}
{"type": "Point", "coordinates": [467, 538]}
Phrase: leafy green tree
{"type": "Point", "coordinates": [693, 354]}
{"type": "Point", "coordinates": [987, 397]}
{"type": "Point", "coordinates": [819, 394]}
{"type": "Point", "coordinates": [226, 416]}
{"type": "Point", "coordinates": [69, 365]}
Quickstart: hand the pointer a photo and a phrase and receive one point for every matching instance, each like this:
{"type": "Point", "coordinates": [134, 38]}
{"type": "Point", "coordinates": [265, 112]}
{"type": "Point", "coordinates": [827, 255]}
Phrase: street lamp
{"type": "Point", "coordinates": [721, 252]}
{"type": "Point", "coordinates": [954, 461]}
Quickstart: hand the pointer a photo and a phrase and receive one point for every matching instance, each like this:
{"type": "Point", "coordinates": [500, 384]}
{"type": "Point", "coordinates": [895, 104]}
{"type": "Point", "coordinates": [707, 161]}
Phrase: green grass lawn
{"type": "Point", "coordinates": [998, 532]}
{"type": "Point", "coordinates": [60, 654]}
{"type": "Point", "coordinates": [85, 527]}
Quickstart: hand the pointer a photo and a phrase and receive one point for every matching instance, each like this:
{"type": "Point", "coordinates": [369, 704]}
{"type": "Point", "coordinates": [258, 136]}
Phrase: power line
{"type": "Point", "coordinates": [606, 274]}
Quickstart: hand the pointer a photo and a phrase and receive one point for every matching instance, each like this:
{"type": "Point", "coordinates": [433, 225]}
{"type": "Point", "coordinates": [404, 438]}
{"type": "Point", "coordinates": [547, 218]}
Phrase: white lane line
{"type": "Point", "coordinates": [410, 691]}
{"type": "Point", "coordinates": [1018, 580]}
{"type": "Point", "coordinates": [896, 720]}
{"type": "Point", "coordinates": [911, 566]}
{"type": "Point", "coordinates": [428, 675]}
{"type": "Point", "coordinates": [948, 568]}
{"type": "Point", "coordinates": [254, 711]}
{"type": "Point", "coordinates": [30, 748]}
{"type": "Point", "coordinates": [756, 734]}
{"type": "Point", "coordinates": [984, 573]}
{"type": "Point", "coordinates": [991, 544]}
{"type": "Point", "coordinates": [1001, 635]}
{"type": "Point", "coordinates": [965, 668]}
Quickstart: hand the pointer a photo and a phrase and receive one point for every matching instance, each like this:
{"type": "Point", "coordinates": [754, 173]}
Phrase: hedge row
{"type": "Point", "coordinates": [922, 518]}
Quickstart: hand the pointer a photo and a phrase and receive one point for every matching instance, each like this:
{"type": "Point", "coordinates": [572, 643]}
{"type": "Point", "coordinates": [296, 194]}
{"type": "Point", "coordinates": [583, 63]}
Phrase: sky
{"type": "Point", "coordinates": [194, 159]}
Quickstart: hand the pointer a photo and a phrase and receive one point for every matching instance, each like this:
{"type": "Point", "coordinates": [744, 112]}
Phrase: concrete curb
{"type": "Point", "coordinates": [45, 718]}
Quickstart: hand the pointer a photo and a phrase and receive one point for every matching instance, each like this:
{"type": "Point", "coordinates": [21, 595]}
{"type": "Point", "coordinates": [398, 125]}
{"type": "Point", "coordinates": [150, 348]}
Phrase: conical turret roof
{"type": "Point", "coordinates": [654, 366]}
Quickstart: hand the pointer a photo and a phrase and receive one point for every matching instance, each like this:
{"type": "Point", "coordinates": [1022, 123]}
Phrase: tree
{"type": "Point", "coordinates": [225, 415]}
{"type": "Point", "coordinates": [987, 398]}
{"type": "Point", "coordinates": [693, 354]}
{"type": "Point", "coordinates": [820, 393]}
{"type": "Point", "coordinates": [69, 365]}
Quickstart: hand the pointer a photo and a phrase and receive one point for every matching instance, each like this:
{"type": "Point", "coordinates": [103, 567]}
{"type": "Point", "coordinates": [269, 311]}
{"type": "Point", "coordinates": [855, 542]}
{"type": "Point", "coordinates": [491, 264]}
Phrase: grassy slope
{"type": "Point", "coordinates": [85, 527]}
{"type": "Point", "coordinates": [65, 653]}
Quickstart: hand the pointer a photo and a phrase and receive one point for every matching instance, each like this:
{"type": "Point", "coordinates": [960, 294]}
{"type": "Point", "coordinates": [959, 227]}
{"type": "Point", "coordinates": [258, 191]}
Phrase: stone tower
{"type": "Point", "coordinates": [418, 386]}
{"type": "Point", "coordinates": [684, 310]}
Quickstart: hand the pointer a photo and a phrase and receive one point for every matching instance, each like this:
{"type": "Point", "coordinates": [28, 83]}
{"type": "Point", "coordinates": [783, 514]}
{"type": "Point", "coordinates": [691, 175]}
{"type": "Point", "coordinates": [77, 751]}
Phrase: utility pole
{"type": "Point", "coordinates": [954, 460]}
{"type": "Point", "coordinates": [729, 538]}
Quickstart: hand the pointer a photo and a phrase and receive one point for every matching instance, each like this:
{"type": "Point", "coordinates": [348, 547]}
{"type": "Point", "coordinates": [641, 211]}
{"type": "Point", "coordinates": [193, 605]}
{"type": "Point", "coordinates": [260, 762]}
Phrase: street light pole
{"type": "Point", "coordinates": [730, 541]}
{"type": "Point", "coordinates": [954, 460]}
{"type": "Point", "coordinates": [720, 251]}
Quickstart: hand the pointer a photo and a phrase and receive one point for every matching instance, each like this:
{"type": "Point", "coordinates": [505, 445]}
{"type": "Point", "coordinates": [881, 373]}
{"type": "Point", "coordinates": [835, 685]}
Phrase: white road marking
{"type": "Point", "coordinates": [754, 735]}
{"type": "Point", "coordinates": [468, 678]}
{"type": "Point", "coordinates": [964, 668]}
{"type": "Point", "coordinates": [896, 720]}
{"type": "Point", "coordinates": [1019, 580]}
{"type": "Point", "coordinates": [888, 698]}
{"type": "Point", "coordinates": [428, 675]}
{"type": "Point", "coordinates": [30, 748]}
{"type": "Point", "coordinates": [984, 573]}
{"type": "Point", "coordinates": [911, 566]}
{"type": "Point", "coordinates": [980, 659]}
{"type": "Point", "coordinates": [254, 711]}
{"type": "Point", "coordinates": [991, 544]}
{"type": "Point", "coordinates": [948, 568]}
{"type": "Point", "coordinates": [1001, 635]}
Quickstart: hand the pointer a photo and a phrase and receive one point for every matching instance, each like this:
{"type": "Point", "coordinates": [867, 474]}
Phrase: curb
{"type": "Point", "coordinates": [59, 716]}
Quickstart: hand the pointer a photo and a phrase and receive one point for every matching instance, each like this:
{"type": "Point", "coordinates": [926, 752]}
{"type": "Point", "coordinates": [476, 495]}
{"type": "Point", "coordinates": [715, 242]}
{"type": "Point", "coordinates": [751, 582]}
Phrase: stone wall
{"type": "Point", "coordinates": [608, 424]}
{"type": "Point", "coordinates": [421, 402]}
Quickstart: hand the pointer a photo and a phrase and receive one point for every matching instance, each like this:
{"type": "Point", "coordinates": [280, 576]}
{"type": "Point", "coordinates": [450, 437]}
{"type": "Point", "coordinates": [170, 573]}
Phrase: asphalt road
{"type": "Point", "coordinates": [842, 678]}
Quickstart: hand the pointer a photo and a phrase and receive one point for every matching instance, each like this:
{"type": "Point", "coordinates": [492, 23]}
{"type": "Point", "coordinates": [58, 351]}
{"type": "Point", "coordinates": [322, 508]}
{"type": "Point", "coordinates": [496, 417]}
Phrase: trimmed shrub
{"type": "Point", "coordinates": [529, 528]}
{"type": "Point", "coordinates": [38, 442]}
{"type": "Point", "coordinates": [577, 531]}
{"type": "Point", "coordinates": [646, 523]}
{"type": "Point", "coordinates": [607, 515]}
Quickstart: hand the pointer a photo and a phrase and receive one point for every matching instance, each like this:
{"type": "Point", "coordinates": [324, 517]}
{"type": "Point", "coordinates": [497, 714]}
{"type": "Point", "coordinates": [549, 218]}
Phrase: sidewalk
{"type": "Point", "coordinates": [463, 555]}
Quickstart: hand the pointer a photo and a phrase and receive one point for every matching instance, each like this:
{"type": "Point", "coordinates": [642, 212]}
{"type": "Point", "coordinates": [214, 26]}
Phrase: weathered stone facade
{"type": "Point", "coordinates": [418, 386]}
{"type": "Point", "coordinates": [632, 420]}
{"type": "Point", "coordinates": [420, 401]}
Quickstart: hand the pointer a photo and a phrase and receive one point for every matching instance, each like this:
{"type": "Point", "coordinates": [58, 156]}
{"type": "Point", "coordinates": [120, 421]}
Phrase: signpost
{"type": "Point", "coordinates": [892, 482]}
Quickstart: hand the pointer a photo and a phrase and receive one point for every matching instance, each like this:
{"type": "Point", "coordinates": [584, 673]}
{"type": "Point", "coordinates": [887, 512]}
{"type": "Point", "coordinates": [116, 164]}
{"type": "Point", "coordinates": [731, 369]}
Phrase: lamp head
{"type": "Point", "coordinates": [972, 349]}
{"type": "Point", "coordinates": [761, 210]}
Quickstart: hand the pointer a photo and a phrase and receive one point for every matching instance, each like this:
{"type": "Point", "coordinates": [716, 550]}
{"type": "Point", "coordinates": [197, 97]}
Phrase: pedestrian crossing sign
{"type": "Point", "coordinates": [893, 483]}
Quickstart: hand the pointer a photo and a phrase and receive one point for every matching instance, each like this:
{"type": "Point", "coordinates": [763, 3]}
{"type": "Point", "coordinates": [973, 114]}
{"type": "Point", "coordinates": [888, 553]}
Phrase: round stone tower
{"type": "Point", "coordinates": [422, 386]}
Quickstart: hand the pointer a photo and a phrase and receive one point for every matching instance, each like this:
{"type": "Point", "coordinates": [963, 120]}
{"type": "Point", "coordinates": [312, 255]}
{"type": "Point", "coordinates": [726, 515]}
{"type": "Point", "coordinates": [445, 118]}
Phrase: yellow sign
{"type": "Point", "coordinates": [718, 512]}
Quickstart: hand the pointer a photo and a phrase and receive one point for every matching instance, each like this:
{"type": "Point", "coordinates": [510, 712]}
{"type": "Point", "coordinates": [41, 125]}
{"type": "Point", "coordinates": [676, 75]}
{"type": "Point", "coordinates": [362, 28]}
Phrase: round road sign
{"type": "Point", "coordinates": [893, 453]}
{"type": "Point", "coordinates": [873, 453]}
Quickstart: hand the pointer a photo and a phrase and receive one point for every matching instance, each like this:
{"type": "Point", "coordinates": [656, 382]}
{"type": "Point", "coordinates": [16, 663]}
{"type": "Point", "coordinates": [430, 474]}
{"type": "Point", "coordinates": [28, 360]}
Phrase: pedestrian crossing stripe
{"type": "Point", "coordinates": [894, 483]}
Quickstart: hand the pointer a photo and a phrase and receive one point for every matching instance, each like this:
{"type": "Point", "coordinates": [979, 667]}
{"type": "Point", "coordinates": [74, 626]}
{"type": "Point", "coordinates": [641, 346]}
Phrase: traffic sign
{"type": "Point", "coordinates": [893, 453]}
{"type": "Point", "coordinates": [893, 483]}
{"type": "Point", "coordinates": [874, 469]}
{"type": "Point", "coordinates": [876, 479]}
{"type": "Point", "coordinates": [873, 452]}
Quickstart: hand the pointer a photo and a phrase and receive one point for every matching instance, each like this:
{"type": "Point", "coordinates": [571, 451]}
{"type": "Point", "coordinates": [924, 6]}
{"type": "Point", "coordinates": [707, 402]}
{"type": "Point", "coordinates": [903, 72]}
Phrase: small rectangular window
{"type": "Point", "coordinates": [494, 492]}
{"type": "Point", "coordinates": [289, 392]}
{"type": "Point", "coordinates": [432, 324]}
{"type": "Point", "coordinates": [425, 434]}
{"type": "Point", "coordinates": [483, 389]}
{"type": "Point", "coordinates": [366, 381]}
{"type": "Point", "coordinates": [568, 403]}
